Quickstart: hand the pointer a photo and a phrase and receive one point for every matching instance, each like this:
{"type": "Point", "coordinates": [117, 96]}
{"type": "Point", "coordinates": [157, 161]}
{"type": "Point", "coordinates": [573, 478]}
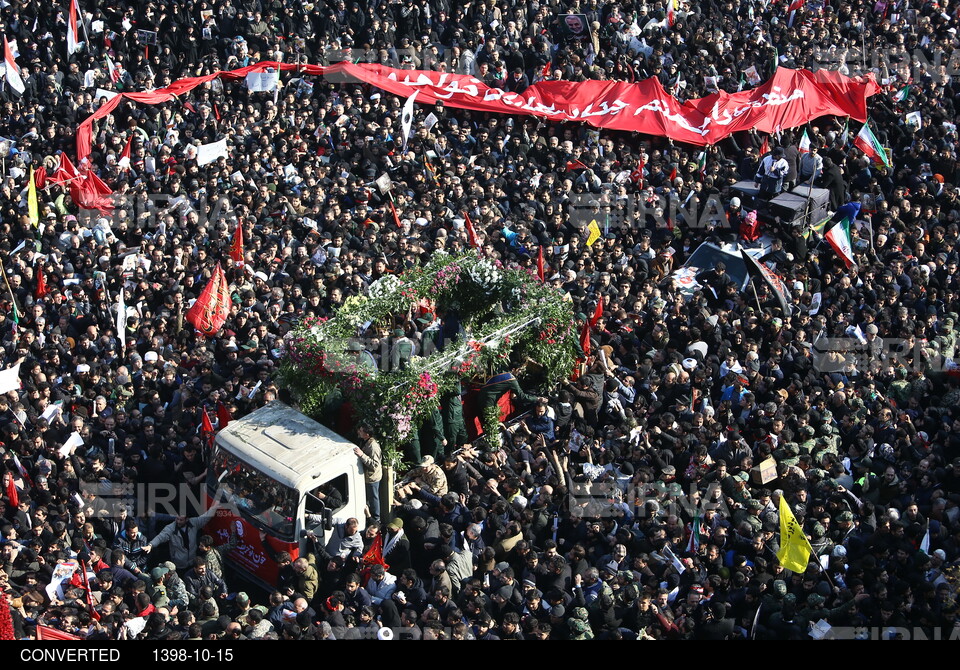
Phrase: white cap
{"type": "Point", "coordinates": [151, 356]}
{"type": "Point", "coordinates": [734, 202]}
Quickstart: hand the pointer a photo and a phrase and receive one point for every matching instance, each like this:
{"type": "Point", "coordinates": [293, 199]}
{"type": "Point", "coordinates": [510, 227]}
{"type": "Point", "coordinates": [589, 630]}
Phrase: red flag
{"type": "Point", "coordinates": [795, 5]}
{"type": "Point", "coordinates": [597, 313]}
{"type": "Point", "coordinates": [65, 172]}
{"type": "Point", "coordinates": [40, 178]}
{"type": "Point", "coordinates": [216, 112]}
{"type": "Point", "coordinates": [393, 208]}
{"type": "Point", "coordinates": [211, 309]}
{"type": "Point", "coordinates": [223, 415]}
{"type": "Point", "coordinates": [637, 175]}
{"type": "Point", "coordinates": [585, 339]}
{"type": "Point", "coordinates": [12, 494]}
{"type": "Point", "coordinates": [206, 428]}
{"type": "Point", "coordinates": [86, 586]}
{"type": "Point", "coordinates": [86, 189]}
{"type": "Point", "coordinates": [471, 233]}
{"type": "Point", "coordinates": [575, 165]}
{"type": "Point", "coordinates": [540, 272]}
{"type": "Point", "coordinates": [673, 174]}
{"type": "Point", "coordinates": [374, 555]}
{"type": "Point", "coordinates": [765, 147]}
{"type": "Point", "coordinates": [48, 633]}
{"type": "Point", "coordinates": [236, 247]}
{"type": "Point", "coordinates": [545, 72]}
{"type": "Point", "coordinates": [41, 290]}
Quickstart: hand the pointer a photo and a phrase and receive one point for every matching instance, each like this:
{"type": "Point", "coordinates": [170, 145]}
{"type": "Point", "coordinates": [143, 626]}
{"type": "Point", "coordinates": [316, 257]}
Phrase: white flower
{"type": "Point", "coordinates": [485, 275]}
{"type": "Point", "coordinates": [385, 286]}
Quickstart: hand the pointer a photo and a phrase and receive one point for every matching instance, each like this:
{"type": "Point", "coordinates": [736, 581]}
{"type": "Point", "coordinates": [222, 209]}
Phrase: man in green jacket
{"type": "Point", "coordinates": [496, 386]}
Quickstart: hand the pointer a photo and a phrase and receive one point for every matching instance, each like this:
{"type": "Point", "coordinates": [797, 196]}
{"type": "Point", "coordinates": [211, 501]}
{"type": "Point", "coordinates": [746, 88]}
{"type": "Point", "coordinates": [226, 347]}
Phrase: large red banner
{"type": "Point", "coordinates": [789, 99]}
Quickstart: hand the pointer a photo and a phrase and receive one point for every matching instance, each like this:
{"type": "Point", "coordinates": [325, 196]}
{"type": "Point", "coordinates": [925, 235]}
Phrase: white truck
{"type": "Point", "coordinates": [279, 474]}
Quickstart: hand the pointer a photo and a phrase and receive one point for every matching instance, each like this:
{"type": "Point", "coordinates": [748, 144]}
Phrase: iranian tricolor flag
{"type": "Point", "coordinates": [838, 235]}
{"type": "Point", "coordinates": [868, 143]}
{"type": "Point", "coordinates": [671, 13]}
{"type": "Point", "coordinates": [73, 33]}
{"type": "Point", "coordinates": [805, 142]}
{"type": "Point", "coordinates": [702, 163]}
{"type": "Point", "coordinates": [124, 162]}
{"type": "Point", "coordinates": [113, 71]}
{"type": "Point", "coordinates": [13, 72]}
{"type": "Point", "coordinates": [902, 94]}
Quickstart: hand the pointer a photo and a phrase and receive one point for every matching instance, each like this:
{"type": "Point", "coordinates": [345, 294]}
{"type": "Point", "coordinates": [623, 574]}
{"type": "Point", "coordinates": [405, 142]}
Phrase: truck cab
{"type": "Point", "coordinates": [279, 474]}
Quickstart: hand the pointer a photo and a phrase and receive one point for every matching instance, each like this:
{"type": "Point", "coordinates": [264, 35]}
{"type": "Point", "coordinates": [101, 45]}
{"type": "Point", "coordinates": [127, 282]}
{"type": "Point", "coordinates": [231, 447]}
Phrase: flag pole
{"type": "Point", "coordinates": [13, 298]}
{"type": "Point", "coordinates": [756, 297]}
{"type": "Point", "coordinates": [81, 18]}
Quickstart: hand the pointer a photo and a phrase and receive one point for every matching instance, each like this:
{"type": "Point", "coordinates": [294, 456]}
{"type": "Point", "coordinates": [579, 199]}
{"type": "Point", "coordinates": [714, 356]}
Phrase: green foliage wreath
{"type": "Point", "coordinates": [506, 313]}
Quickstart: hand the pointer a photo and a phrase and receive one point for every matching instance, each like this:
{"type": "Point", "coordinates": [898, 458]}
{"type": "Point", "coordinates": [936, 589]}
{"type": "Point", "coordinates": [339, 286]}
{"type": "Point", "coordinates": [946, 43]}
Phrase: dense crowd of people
{"type": "Point", "coordinates": [628, 503]}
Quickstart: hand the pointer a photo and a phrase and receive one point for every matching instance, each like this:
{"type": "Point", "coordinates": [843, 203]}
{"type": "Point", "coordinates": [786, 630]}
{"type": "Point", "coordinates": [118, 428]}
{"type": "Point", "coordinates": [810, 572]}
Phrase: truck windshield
{"type": "Point", "coordinates": [261, 500]}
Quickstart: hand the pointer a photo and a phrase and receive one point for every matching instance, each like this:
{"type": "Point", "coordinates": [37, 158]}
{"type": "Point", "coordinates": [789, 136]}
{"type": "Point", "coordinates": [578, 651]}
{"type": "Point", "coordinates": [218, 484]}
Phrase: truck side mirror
{"type": "Point", "coordinates": [328, 519]}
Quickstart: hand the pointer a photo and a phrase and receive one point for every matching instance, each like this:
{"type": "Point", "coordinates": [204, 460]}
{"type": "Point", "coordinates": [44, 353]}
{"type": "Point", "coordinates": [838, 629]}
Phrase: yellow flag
{"type": "Point", "coordinates": [33, 208]}
{"type": "Point", "coordinates": [795, 549]}
{"type": "Point", "coordinates": [594, 230]}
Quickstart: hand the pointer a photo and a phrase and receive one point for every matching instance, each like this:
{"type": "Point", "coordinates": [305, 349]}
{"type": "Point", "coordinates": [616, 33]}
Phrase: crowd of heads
{"type": "Point", "coordinates": [642, 499]}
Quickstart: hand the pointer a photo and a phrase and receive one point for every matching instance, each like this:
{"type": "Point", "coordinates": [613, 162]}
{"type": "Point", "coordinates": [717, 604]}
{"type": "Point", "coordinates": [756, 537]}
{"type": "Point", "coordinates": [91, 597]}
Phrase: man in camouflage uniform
{"type": "Point", "coordinates": [750, 515]}
{"type": "Point", "coordinates": [451, 410]}
{"type": "Point", "coordinates": [807, 441]}
{"type": "Point", "coordinates": [738, 492]}
{"type": "Point", "coordinates": [820, 543]}
{"type": "Point", "coordinates": [788, 454]}
{"type": "Point", "coordinates": [900, 387]}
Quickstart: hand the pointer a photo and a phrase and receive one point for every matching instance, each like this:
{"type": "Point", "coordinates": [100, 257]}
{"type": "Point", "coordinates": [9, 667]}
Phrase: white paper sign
{"type": "Point", "coordinates": [52, 411]}
{"type": "Point", "coordinates": [383, 183]}
{"type": "Point", "coordinates": [10, 379]}
{"type": "Point", "coordinates": [208, 153]}
{"type": "Point", "coordinates": [71, 444]}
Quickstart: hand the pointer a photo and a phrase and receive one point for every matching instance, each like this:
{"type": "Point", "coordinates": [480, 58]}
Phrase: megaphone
{"type": "Point", "coordinates": [385, 634]}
